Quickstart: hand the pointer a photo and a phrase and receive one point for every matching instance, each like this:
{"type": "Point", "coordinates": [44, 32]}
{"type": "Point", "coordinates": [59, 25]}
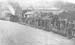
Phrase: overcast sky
{"type": "Point", "coordinates": [40, 0]}
{"type": "Point", "coordinates": [37, 3]}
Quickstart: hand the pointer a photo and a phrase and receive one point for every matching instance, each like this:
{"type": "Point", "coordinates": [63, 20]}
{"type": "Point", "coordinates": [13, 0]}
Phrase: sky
{"type": "Point", "coordinates": [37, 3]}
{"type": "Point", "coordinates": [73, 1]}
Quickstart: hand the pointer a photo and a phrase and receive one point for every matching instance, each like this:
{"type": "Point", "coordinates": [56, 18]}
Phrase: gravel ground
{"type": "Point", "coordinates": [16, 34]}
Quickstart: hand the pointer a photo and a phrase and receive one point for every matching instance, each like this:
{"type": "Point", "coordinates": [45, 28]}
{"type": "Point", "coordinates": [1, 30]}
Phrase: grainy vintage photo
{"type": "Point", "coordinates": [37, 22]}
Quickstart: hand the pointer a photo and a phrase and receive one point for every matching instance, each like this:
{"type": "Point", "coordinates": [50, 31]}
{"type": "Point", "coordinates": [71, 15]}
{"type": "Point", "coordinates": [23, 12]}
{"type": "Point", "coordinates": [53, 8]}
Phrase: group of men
{"type": "Point", "coordinates": [63, 25]}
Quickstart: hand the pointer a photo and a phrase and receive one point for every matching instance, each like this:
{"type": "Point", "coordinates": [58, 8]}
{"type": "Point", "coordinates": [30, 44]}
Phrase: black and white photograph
{"type": "Point", "coordinates": [37, 22]}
